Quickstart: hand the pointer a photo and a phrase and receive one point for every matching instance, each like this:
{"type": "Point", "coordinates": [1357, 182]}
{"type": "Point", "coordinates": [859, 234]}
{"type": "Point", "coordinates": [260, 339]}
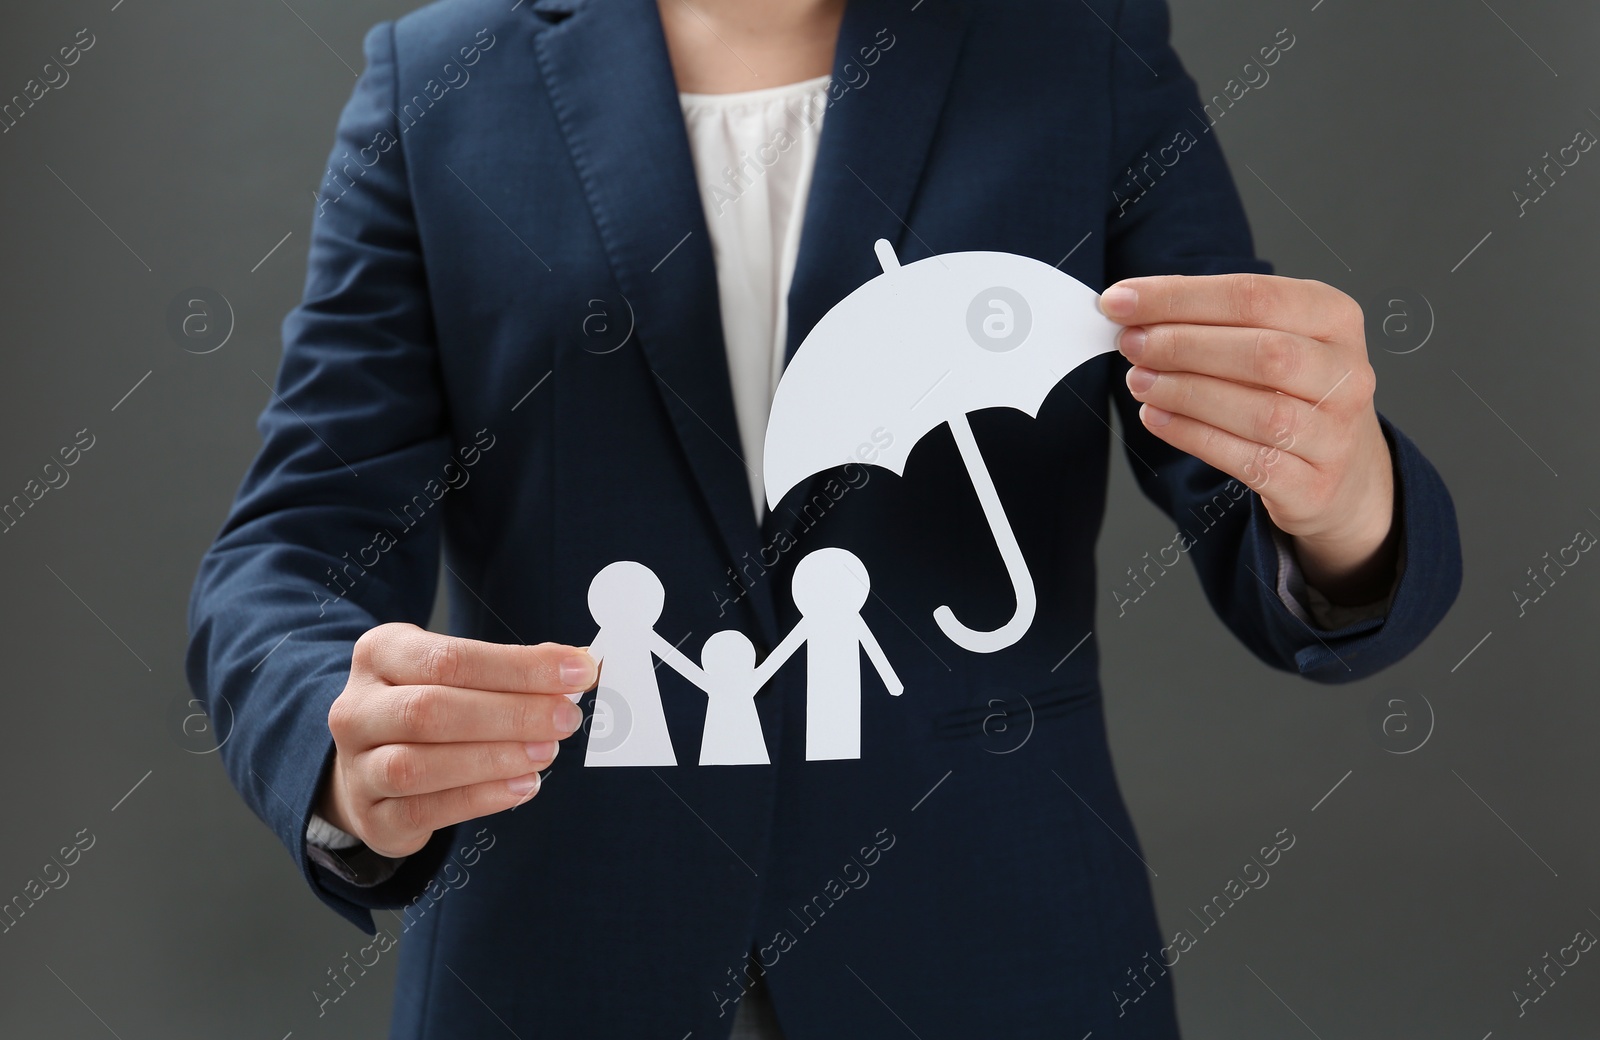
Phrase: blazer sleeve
{"type": "Point", "coordinates": [1177, 212]}
{"type": "Point", "coordinates": [333, 529]}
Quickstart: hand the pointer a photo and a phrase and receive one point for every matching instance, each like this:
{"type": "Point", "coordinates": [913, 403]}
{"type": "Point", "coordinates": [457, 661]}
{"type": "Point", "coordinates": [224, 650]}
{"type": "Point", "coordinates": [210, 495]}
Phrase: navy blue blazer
{"type": "Point", "coordinates": [510, 193]}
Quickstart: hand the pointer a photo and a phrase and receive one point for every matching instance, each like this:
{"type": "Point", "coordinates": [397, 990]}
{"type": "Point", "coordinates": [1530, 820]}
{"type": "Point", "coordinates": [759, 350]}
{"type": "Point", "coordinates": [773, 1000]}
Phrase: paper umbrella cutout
{"type": "Point", "coordinates": [925, 344]}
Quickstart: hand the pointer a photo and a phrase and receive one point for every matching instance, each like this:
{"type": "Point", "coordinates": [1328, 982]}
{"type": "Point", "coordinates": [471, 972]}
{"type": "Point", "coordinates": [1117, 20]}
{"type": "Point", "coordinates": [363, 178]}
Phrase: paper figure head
{"type": "Point", "coordinates": [728, 652]}
{"type": "Point", "coordinates": [626, 595]}
{"type": "Point", "coordinates": [830, 582]}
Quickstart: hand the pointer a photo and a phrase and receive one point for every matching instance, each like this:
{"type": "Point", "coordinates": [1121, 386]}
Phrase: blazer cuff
{"type": "Point", "coordinates": [1311, 606]}
{"type": "Point", "coordinates": [356, 880]}
{"type": "Point", "coordinates": [1346, 646]}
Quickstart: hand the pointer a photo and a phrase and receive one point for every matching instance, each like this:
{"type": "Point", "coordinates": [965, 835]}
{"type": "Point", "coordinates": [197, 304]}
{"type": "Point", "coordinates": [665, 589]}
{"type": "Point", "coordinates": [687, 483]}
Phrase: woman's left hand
{"type": "Point", "coordinates": [1266, 378]}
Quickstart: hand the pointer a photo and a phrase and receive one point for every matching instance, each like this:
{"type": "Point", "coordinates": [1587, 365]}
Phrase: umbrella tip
{"type": "Point", "coordinates": [886, 256]}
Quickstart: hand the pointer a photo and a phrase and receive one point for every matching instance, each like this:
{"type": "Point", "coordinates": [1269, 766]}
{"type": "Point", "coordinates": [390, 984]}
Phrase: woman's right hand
{"type": "Point", "coordinates": [433, 730]}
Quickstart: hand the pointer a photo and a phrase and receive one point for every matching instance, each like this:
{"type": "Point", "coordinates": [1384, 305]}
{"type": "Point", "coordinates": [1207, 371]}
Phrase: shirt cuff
{"type": "Point", "coordinates": [324, 834]}
{"type": "Point", "coordinates": [345, 856]}
{"type": "Point", "coordinates": [1311, 606]}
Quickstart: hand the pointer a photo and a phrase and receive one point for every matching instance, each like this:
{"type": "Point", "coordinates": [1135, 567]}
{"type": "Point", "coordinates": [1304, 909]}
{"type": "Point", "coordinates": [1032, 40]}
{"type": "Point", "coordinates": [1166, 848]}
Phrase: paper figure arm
{"type": "Point", "coordinates": [680, 663]}
{"type": "Point", "coordinates": [880, 661]}
{"type": "Point", "coordinates": [781, 653]}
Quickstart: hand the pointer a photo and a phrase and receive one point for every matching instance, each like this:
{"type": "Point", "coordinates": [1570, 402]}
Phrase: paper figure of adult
{"type": "Point", "coordinates": [830, 587]}
{"type": "Point", "coordinates": [629, 726]}
{"type": "Point", "coordinates": [926, 344]}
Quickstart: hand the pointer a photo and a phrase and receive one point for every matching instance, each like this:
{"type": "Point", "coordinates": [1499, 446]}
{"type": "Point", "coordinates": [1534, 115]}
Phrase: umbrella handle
{"type": "Point", "coordinates": [1010, 553]}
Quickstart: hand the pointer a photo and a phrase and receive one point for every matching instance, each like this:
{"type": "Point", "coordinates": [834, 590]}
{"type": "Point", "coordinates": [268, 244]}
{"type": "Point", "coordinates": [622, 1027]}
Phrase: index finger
{"type": "Point", "coordinates": [404, 655]}
{"type": "Point", "coordinates": [1254, 301]}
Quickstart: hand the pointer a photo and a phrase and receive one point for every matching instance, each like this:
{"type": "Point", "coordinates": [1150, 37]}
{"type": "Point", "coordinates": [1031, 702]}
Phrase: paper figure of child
{"type": "Point", "coordinates": [830, 587]}
{"type": "Point", "coordinates": [629, 727]}
{"type": "Point", "coordinates": [731, 680]}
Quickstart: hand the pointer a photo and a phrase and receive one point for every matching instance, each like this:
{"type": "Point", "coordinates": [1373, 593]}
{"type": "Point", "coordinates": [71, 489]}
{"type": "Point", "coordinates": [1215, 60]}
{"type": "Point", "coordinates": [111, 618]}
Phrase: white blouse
{"type": "Point", "coordinates": [753, 156]}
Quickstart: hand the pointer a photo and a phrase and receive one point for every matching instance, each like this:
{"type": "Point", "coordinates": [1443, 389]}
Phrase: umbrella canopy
{"type": "Point", "coordinates": [925, 344]}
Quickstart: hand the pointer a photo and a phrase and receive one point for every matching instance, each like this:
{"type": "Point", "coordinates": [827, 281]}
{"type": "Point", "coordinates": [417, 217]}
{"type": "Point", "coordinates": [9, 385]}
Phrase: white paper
{"type": "Point", "coordinates": [925, 344]}
{"type": "Point", "coordinates": [629, 727]}
{"type": "Point", "coordinates": [916, 347]}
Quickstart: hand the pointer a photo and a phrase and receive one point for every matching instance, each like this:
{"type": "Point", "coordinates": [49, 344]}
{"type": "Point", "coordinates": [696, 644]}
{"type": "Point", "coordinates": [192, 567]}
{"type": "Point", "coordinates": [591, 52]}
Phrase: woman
{"type": "Point", "coordinates": [544, 229]}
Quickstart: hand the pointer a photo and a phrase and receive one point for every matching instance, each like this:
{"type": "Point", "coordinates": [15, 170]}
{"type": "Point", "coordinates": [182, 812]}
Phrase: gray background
{"type": "Point", "coordinates": [1419, 891]}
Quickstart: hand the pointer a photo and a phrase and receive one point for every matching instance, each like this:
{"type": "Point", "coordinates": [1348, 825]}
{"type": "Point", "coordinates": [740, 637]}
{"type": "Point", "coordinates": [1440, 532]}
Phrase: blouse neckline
{"type": "Point", "coordinates": [742, 97]}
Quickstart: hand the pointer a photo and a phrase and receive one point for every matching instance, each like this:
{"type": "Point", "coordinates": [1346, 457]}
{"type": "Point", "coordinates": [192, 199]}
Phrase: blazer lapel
{"type": "Point", "coordinates": [874, 145]}
{"type": "Point", "coordinates": [609, 78]}
{"type": "Point", "coordinates": [875, 140]}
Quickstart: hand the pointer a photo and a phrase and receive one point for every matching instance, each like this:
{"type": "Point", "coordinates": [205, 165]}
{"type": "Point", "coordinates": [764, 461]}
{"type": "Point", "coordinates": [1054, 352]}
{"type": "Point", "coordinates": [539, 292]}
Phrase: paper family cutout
{"type": "Point", "coordinates": [629, 727]}
{"type": "Point", "coordinates": [917, 346]}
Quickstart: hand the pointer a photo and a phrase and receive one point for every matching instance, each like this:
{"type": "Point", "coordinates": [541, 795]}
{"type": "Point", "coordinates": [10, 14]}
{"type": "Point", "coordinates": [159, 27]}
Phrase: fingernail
{"type": "Point", "coordinates": [1141, 379]}
{"type": "Point", "coordinates": [568, 717]}
{"type": "Point", "coordinates": [1154, 416]}
{"type": "Point", "coordinates": [1132, 342]}
{"type": "Point", "coordinates": [576, 671]}
{"type": "Point", "coordinates": [1119, 301]}
{"type": "Point", "coordinates": [542, 751]}
{"type": "Point", "coordinates": [523, 786]}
